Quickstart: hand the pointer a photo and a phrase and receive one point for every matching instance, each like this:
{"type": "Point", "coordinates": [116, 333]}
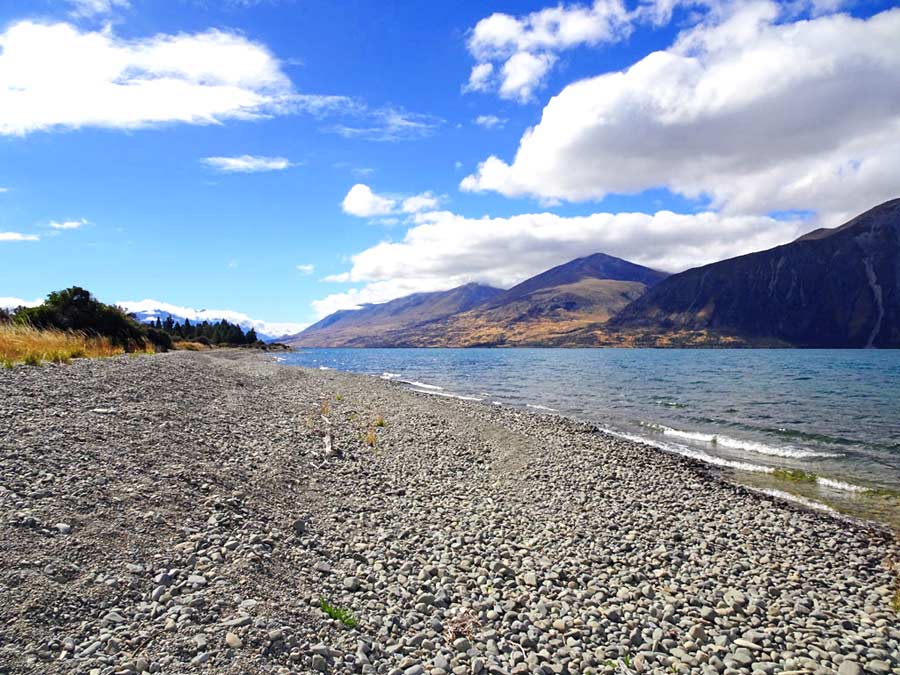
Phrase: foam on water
{"type": "Point", "coordinates": [797, 499]}
{"type": "Point", "coordinates": [537, 406]}
{"type": "Point", "coordinates": [839, 485]}
{"type": "Point", "coordinates": [447, 394]}
{"type": "Point", "coordinates": [422, 385]}
{"type": "Point", "coordinates": [787, 451]}
{"type": "Point", "coordinates": [693, 453]}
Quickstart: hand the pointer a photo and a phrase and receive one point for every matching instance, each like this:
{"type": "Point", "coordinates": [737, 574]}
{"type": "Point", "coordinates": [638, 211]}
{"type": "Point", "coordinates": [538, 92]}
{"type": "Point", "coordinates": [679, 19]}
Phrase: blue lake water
{"type": "Point", "coordinates": [834, 413]}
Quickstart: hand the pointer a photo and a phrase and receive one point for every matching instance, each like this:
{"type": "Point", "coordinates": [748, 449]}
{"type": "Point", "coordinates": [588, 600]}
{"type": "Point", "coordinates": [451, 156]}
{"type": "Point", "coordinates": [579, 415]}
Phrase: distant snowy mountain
{"type": "Point", "coordinates": [147, 311]}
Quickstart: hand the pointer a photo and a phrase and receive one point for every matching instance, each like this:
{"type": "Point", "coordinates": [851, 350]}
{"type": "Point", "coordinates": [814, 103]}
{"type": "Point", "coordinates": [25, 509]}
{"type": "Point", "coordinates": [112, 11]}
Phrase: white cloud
{"type": "Point", "coordinates": [361, 201]}
{"type": "Point", "coordinates": [306, 268]}
{"type": "Point", "coordinates": [422, 202]}
{"type": "Point", "coordinates": [444, 249]}
{"type": "Point", "coordinates": [480, 77]}
{"type": "Point", "coordinates": [247, 164]}
{"type": "Point", "coordinates": [522, 73]}
{"type": "Point", "coordinates": [388, 124]}
{"type": "Point", "coordinates": [3, 189]}
{"type": "Point", "coordinates": [89, 8]}
{"type": "Point", "coordinates": [18, 236]}
{"type": "Point", "coordinates": [526, 45]}
{"type": "Point", "coordinates": [756, 113]}
{"type": "Point", "coordinates": [490, 121]}
{"type": "Point", "coordinates": [57, 76]}
{"type": "Point", "coordinates": [161, 309]}
{"type": "Point", "coordinates": [13, 303]}
{"type": "Point", "coordinates": [68, 224]}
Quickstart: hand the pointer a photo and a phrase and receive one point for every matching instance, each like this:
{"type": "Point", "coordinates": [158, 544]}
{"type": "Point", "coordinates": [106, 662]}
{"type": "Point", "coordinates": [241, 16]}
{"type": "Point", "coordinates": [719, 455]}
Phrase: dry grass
{"type": "Point", "coordinates": [24, 344]}
{"type": "Point", "coordinates": [190, 346]}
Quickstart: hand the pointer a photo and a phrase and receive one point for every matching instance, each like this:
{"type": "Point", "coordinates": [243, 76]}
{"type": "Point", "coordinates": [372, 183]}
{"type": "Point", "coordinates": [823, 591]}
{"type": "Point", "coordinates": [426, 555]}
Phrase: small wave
{"type": "Point", "coordinates": [422, 385]}
{"type": "Point", "coordinates": [445, 394]}
{"type": "Point", "coordinates": [839, 485]}
{"type": "Point", "coordinates": [325, 368]}
{"type": "Point", "coordinates": [496, 403]}
{"type": "Point", "coordinates": [670, 404]}
{"type": "Point", "coordinates": [685, 451]}
{"type": "Point", "coordinates": [389, 376]}
{"type": "Point", "coordinates": [537, 406]}
{"type": "Point", "coordinates": [740, 444]}
{"type": "Point", "coordinates": [787, 496]}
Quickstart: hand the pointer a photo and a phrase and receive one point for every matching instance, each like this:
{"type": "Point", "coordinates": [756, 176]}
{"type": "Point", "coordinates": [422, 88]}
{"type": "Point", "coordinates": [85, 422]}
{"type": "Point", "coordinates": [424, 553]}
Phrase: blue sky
{"type": "Point", "coordinates": [671, 133]}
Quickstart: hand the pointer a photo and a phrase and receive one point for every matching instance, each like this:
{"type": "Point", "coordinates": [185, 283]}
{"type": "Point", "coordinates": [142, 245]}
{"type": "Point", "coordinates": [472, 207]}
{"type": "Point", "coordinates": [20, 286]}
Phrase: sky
{"type": "Point", "coordinates": [284, 159]}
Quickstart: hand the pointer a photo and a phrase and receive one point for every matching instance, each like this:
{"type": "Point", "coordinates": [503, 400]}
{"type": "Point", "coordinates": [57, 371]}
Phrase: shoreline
{"type": "Point", "coordinates": [840, 494]}
{"type": "Point", "coordinates": [205, 522]}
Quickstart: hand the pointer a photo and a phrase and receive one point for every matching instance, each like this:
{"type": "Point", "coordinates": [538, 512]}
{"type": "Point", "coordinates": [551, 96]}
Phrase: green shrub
{"type": "Point", "coordinates": [75, 309]}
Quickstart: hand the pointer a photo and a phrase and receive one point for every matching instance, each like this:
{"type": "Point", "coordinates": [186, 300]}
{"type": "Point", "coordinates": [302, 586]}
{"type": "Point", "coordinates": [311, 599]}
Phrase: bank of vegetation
{"type": "Point", "coordinates": [72, 323]}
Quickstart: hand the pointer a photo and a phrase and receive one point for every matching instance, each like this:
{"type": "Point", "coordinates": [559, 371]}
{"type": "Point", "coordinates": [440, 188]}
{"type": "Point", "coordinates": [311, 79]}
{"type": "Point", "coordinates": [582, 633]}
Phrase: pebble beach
{"type": "Point", "coordinates": [215, 512]}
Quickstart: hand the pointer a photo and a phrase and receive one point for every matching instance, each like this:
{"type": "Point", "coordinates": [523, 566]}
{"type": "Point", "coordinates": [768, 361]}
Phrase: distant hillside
{"type": "Point", "coordinates": [830, 288]}
{"type": "Point", "coordinates": [383, 324]}
{"type": "Point", "coordinates": [541, 310]}
{"type": "Point", "coordinates": [547, 308]}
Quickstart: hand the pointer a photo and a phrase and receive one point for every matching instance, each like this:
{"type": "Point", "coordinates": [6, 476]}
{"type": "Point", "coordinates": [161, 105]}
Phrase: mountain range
{"type": "Point", "coordinates": [835, 287]}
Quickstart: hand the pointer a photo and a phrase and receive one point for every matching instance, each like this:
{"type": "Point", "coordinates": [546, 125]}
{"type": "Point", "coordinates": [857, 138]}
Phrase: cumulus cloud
{"type": "Point", "coordinates": [155, 308]}
{"type": "Point", "coordinates": [68, 224]}
{"type": "Point", "coordinates": [422, 202]}
{"type": "Point", "coordinates": [12, 303]}
{"type": "Point", "coordinates": [757, 114]}
{"type": "Point", "coordinates": [480, 77]}
{"type": "Point", "coordinates": [524, 47]}
{"type": "Point", "coordinates": [490, 121]}
{"type": "Point", "coordinates": [443, 249]}
{"type": "Point", "coordinates": [306, 268]}
{"type": "Point", "coordinates": [247, 164]}
{"type": "Point", "coordinates": [18, 236]}
{"type": "Point", "coordinates": [363, 202]}
{"type": "Point", "coordinates": [57, 76]}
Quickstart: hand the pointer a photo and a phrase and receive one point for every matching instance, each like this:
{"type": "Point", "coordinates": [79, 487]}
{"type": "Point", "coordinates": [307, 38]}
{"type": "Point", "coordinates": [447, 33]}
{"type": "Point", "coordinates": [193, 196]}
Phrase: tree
{"type": "Point", "coordinates": [251, 338]}
{"type": "Point", "coordinates": [77, 310]}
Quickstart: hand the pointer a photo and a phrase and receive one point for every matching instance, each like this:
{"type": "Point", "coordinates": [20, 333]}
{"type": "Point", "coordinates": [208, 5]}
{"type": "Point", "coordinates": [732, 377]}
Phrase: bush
{"type": "Point", "coordinates": [75, 309]}
{"type": "Point", "coordinates": [160, 339]}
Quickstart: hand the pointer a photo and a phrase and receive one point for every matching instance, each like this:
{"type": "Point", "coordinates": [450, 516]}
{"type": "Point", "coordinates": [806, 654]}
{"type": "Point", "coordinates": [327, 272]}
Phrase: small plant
{"type": "Point", "coordinates": [31, 360]}
{"type": "Point", "coordinates": [379, 421]}
{"type": "Point", "coordinates": [339, 614]}
{"type": "Point", "coordinates": [794, 475]}
{"type": "Point", "coordinates": [371, 438]}
{"type": "Point", "coordinates": [465, 624]}
{"type": "Point", "coordinates": [7, 364]}
{"type": "Point", "coordinates": [339, 397]}
{"type": "Point", "coordinates": [325, 408]}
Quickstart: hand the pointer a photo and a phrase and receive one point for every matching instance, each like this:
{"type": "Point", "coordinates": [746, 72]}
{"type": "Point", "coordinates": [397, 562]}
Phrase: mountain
{"type": "Point", "coordinates": [147, 311]}
{"type": "Point", "coordinates": [541, 310]}
{"type": "Point", "coordinates": [830, 288]}
{"type": "Point", "coordinates": [547, 308]}
{"type": "Point", "coordinates": [385, 324]}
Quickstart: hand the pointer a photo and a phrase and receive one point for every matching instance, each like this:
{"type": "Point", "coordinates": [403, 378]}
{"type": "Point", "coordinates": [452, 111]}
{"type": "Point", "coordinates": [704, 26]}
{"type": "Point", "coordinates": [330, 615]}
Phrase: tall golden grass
{"type": "Point", "coordinates": [24, 344]}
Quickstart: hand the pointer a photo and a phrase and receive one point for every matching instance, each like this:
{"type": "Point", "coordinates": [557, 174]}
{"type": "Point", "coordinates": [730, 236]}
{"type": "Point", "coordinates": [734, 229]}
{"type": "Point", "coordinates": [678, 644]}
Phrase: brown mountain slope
{"type": "Point", "coordinates": [369, 325]}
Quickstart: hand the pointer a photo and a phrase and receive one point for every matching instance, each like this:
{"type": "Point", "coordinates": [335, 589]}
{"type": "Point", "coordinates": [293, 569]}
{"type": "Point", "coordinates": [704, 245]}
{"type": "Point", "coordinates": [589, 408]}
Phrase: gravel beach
{"type": "Point", "coordinates": [181, 513]}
